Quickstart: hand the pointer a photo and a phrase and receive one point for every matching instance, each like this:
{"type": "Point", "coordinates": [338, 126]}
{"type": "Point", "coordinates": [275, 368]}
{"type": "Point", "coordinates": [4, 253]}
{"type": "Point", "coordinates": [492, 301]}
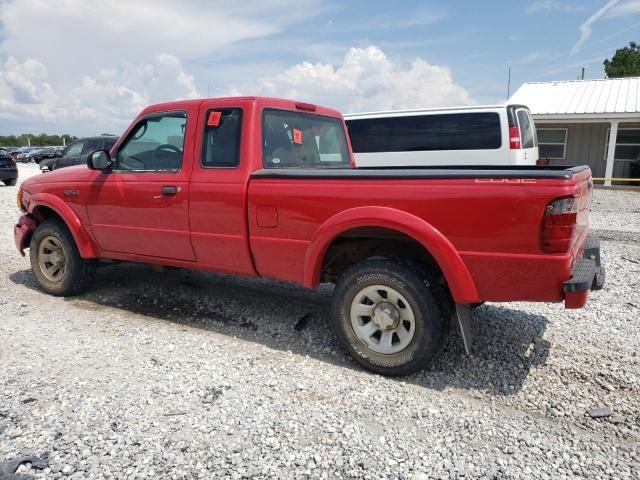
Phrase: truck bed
{"type": "Point", "coordinates": [491, 216]}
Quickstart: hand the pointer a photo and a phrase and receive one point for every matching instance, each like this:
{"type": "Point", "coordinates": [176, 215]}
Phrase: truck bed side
{"type": "Point", "coordinates": [492, 220]}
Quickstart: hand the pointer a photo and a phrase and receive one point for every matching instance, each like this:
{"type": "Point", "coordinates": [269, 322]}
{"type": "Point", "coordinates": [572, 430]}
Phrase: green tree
{"type": "Point", "coordinates": [625, 63]}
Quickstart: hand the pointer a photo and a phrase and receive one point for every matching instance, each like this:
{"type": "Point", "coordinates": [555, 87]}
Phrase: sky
{"type": "Point", "coordinates": [87, 67]}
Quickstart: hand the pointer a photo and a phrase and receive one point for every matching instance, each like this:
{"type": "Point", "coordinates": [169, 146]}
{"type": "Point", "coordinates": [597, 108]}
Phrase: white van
{"type": "Point", "coordinates": [483, 135]}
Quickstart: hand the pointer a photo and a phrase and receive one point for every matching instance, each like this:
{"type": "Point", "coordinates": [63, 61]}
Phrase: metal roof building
{"type": "Point", "coordinates": [587, 121]}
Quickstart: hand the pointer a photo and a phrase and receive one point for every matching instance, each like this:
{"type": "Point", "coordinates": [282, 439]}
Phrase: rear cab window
{"type": "Point", "coordinates": [303, 140]}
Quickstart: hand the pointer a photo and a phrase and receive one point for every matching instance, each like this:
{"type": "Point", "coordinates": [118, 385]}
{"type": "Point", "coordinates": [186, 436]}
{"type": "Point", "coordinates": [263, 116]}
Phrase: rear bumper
{"type": "Point", "coordinates": [22, 232]}
{"type": "Point", "coordinates": [587, 274]}
{"type": "Point", "coordinates": [8, 173]}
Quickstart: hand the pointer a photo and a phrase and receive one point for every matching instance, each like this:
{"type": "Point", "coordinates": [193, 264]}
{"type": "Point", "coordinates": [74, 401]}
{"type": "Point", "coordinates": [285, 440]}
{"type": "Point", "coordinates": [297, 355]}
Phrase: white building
{"type": "Point", "coordinates": [594, 122]}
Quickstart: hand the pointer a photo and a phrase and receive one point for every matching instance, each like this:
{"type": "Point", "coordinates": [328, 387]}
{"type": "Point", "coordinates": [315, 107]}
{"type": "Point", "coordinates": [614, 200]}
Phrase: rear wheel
{"type": "Point", "coordinates": [390, 316]}
{"type": "Point", "coordinates": [10, 182]}
{"type": "Point", "coordinates": [56, 262]}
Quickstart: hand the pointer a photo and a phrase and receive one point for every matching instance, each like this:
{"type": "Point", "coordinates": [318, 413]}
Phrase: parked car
{"type": "Point", "coordinates": [8, 169]}
{"type": "Point", "coordinates": [45, 153]}
{"type": "Point", "coordinates": [31, 157]}
{"type": "Point", "coordinates": [487, 135]}
{"type": "Point", "coordinates": [23, 156]}
{"type": "Point", "coordinates": [265, 187]}
{"type": "Point", "coordinates": [76, 153]}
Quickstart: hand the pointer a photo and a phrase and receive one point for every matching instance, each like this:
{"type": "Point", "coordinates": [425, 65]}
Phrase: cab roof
{"type": "Point", "coordinates": [260, 102]}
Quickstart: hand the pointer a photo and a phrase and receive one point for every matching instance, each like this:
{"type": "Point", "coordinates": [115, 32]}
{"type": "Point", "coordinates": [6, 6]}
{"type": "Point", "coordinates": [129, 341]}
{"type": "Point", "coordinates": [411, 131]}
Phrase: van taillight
{"type": "Point", "coordinates": [559, 225]}
{"type": "Point", "coordinates": [514, 138]}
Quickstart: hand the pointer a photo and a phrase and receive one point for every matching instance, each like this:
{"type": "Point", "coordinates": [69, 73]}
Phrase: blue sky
{"type": "Point", "coordinates": [86, 67]}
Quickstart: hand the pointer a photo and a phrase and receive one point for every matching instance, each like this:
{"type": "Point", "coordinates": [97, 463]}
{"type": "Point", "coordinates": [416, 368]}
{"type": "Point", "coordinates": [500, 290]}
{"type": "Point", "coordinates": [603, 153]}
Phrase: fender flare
{"type": "Point", "coordinates": [461, 284]}
{"type": "Point", "coordinates": [86, 247]}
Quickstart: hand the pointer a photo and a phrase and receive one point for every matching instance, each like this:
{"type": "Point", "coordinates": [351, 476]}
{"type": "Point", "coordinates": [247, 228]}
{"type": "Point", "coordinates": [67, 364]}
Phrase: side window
{"type": "Point", "coordinates": [75, 149]}
{"type": "Point", "coordinates": [370, 135]}
{"type": "Point", "coordinates": [526, 131]}
{"type": "Point", "coordinates": [416, 133]}
{"type": "Point", "coordinates": [221, 140]}
{"type": "Point", "coordinates": [108, 143]}
{"type": "Point", "coordinates": [303, 140]}
{"type": "Point", "coordinates": [155, 144]}
{"type": "Point", "coordinates": [91, 145]}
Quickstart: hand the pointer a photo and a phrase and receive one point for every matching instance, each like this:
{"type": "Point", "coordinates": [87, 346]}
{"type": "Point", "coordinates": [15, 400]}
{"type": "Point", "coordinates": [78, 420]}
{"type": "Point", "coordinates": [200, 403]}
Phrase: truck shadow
{"type": "Point", "coordinates": [507, 342]}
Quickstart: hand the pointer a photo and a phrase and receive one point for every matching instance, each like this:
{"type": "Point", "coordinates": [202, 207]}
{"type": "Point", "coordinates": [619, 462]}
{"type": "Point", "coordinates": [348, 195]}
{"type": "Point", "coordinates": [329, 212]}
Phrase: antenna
{"type": "Point", "coordinates": [582, 76]}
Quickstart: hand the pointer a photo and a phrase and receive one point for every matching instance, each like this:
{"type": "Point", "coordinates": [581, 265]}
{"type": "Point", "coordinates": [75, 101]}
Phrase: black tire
{"type": "Point", "coordinates": [430, 311]}
{"type": "Point", "coordinates": [10, 182]}
{"type": "Point", "coordinates": [78, 272]}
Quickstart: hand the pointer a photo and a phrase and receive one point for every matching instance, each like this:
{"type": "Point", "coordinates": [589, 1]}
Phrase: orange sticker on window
{"type": "Point", "coordinates": [297, 136]}
{"type": "Point", "coordinates": [214, 119]}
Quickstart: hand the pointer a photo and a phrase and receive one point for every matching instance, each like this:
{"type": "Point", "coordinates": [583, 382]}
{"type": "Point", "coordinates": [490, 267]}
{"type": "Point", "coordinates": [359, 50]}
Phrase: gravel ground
{"type": "Point", "coordinates": [191, 375]}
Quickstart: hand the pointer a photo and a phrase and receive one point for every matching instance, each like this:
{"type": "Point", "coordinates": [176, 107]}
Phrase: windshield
{"type": "Point", "coordinates": [303, 140]}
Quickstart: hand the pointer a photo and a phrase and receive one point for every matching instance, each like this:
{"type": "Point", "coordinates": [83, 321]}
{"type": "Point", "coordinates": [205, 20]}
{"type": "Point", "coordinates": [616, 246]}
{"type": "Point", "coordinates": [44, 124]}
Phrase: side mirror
{"type": "Point", "coordinates": [58, 153]}
{"type": "Point", "coordinates": [99, 160]}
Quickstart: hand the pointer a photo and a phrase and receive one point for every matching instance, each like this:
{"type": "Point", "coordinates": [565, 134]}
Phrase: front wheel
{"type": "Point", "coordinates": [10, 182]}
{"type": "Point", "coordinates": [56, 263]}
{"type": "Point", "coordinates": [390, 316]}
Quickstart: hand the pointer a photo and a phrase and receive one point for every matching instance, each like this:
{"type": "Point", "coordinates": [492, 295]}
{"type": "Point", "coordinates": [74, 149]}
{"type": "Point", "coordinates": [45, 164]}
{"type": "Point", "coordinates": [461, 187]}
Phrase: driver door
{"type": "Point", "coordinates": [140, 208]}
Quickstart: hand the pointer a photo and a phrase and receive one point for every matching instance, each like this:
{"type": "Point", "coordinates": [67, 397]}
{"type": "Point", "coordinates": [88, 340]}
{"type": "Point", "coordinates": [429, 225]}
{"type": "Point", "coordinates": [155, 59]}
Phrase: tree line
{"type": "Point", "coordinates": [42, 139]}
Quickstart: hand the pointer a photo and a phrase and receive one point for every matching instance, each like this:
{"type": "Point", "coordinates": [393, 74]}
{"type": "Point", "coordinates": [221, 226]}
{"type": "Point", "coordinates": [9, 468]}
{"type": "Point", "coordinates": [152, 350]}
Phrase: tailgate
{"type": "Point", "coordinates": [584, 187]}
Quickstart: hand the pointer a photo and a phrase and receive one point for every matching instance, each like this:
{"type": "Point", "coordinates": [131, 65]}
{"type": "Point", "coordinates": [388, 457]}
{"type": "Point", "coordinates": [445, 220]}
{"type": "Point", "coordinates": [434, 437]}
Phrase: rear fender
{"type": "Point", "coordinates": [85, 245]}
{"type": "Point", "coordinates": [463, 289]}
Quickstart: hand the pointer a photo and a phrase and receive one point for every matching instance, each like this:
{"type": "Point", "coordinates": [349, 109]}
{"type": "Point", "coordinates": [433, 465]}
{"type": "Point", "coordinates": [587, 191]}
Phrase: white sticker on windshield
{"type": "Point", "coordinates": [275, 160]}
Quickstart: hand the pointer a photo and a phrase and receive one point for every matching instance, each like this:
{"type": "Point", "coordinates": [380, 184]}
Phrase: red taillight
{"type": "Point", "coordinates": [514, 138]}
{"type": "Point", "coordinates": [542, 162]}
{"type": "Point", "coordinates": [559, 225]}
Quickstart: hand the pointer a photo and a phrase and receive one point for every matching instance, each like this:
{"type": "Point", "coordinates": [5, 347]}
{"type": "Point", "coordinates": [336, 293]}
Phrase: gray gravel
{"type": "Point", "coordinates": [192, 375]}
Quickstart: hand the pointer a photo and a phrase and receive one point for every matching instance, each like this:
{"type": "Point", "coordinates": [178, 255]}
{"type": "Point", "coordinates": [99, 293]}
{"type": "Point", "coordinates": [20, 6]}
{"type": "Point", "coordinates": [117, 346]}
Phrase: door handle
{"type": "Point", "coordinates": [169, 190]}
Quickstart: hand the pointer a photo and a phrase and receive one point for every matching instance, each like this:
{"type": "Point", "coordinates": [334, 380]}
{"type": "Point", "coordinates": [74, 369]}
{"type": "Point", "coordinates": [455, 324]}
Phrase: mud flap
{"type": "Point", "coordinates": [463, 315]}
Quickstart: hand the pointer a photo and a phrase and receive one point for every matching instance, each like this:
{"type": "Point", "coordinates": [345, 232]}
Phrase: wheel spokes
{"type": "Point", "coordinates": [363, 310]}
{"type": "Point", "coordinates": [403, 334]}
{"type": "Point", "coordinates": [368, 329]}
{"type": "Point", "coordinates": [386, 339]}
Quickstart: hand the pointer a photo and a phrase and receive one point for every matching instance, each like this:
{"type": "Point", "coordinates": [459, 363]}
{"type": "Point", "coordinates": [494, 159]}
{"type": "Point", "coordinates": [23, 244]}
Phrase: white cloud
{"type": "Point", "coordinates": [84, 36]}
{"type": "Point", "coordinates": [366, 80]}
{"type": "Point", "coordinates": [107, 101]}
{"type": "Point", "coordinates": [550, 5]}
{"type": "Point", "coordinates": [586, 28]}
{"type": "Point", "coordinates": [626, 8]}
{"type": "Point", "coordinates": [73, 60]}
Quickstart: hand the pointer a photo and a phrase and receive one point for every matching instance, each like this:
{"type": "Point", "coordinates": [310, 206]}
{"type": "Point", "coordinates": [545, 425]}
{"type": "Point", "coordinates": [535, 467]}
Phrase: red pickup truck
{"type": "Point", "coordinates": [267, 187]}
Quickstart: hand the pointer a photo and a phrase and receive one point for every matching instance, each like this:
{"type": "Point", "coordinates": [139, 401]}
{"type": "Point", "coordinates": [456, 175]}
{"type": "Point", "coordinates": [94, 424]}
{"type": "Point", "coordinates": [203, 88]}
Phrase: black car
{"type": "Point", "coordinates": [8, 169]}
{"type": "Point", "coordinates": [76, 153]}
{"type": "Point", "coordinates": [48, 152]}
